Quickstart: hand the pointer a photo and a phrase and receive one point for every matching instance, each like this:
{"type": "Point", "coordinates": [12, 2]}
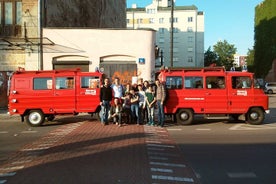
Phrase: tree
{"type": "Point", "coordinates": [265, 37]}
{"type": "Point", "coordinates": [210, 57]}
{"type": "Point", "coordinates": [225, 53]}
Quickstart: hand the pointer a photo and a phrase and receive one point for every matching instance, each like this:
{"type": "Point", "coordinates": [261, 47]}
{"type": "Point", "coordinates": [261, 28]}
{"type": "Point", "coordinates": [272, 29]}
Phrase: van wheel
{"type": "Point", "coordinates": [35, 118]}
{"type": "Point", "coordinates": [255, 116]}
{"type": "Point", "coordinates": [185, 117]}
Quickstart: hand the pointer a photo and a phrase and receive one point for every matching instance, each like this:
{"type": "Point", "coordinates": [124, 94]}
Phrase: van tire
{"type": "Point", "coordinates": [255, 116]}
{"type": "Point", "coordinates": [35, 118]}
{"type": "Point", "coordinates": [185, 116]}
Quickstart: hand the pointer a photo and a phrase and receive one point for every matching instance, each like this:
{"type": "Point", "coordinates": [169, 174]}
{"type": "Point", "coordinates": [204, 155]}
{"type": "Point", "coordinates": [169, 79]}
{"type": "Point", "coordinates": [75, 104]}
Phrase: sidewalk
{"type": "Point", "coordinates": [88, 152]}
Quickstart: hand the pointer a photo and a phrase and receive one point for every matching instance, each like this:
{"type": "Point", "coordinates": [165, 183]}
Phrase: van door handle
{"type": "Point", "coordinates": [208, 93]}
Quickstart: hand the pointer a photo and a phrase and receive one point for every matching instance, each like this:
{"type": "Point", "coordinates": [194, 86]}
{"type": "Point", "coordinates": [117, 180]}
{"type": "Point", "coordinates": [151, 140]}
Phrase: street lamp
{"type": "Point", "coordinates": [172, 20]}
{"type": "Point", "coordinates": [134, 6]}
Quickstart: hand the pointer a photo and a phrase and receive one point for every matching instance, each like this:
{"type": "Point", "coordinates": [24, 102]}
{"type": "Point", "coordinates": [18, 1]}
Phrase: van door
{"type": "Point", "coordinates": [64, 94]}
{"type": "Point", "coordinates": [240, 94]}
{"type": "Point", "coordinates": [215, 95]}
{"type": "Point", "coordinates": [88, 93]}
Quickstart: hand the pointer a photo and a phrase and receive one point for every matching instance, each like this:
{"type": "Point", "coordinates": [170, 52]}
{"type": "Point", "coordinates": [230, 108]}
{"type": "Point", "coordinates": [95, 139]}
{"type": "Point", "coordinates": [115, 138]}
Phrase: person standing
{"type": "Point", "coordinates": [134, 107]}
{"type": "Point", "coordinates": [105, 99]}
{"type": "Point", "coordinates": [150, 102]}
{"type": "Point", "coordinates": [142, 103]}
{"type": "Point", "coordinates": [160, 99]}
{"type": "Point", "coordinates": [117, 89]}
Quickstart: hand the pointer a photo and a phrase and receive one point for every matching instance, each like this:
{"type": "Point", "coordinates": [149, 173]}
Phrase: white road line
{"type": "Point", "coordinates": [158, 158]}
{"type": "Point", "coordinates": [174, 129]}
{"type": "Point", "coordinates": [3, 181]}
{"type": "Point", "coordinates": [167, 164]}
{"type": "Point", "coordinates": [155, 149]}
{"type": "Point", "coordinates": [242, 175]}
{"type": "Point", "coordinates": [7, 174]}
{"type": "Point", "coordinates": [161, 145]}
{"type": "Point", "coordinates": [203, 129]}
{"type": "Point", "coordinates": [163, 154]}
{"type": "Point", "coordinates": [253, 127]}
{"type": "Point", "coordinates": [161, 170]}
{"type": "Point", "coordinates": [172, 178]}
{"type": "Point", "coordinates": [4, 132]}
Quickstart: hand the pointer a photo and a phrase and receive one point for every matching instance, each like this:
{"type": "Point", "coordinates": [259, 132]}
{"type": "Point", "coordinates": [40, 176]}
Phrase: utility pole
{"type": "Point", "coordinates": [172, 20]}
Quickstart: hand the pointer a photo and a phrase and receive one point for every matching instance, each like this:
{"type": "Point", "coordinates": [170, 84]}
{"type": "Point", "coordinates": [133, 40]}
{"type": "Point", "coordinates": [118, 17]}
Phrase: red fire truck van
{"type": "Point", "coordinates": [213, 93]}
{"type": "Point", "coordinates": [36, 95]}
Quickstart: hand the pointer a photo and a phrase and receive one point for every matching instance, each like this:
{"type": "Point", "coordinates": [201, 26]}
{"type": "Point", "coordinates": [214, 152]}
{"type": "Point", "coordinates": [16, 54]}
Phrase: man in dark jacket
{"type": "Point", "coordinates": [105, 99]}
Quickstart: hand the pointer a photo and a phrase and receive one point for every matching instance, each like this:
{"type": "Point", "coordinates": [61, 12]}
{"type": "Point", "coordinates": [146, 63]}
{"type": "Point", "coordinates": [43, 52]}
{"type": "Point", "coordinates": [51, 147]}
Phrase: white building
{"type": "Point", "coordinates": [116, 52]}
{"type": "Point", "coordinates": [188, 31]}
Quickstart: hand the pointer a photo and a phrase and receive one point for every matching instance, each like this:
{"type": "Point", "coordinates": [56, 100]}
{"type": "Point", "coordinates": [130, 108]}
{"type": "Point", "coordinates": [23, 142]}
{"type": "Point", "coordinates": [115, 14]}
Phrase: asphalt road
{"type": "Point", "coordinates": [232, 152]}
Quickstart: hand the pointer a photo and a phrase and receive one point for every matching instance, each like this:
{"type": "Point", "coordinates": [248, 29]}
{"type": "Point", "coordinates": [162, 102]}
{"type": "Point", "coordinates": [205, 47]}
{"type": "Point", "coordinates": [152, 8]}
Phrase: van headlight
{"type": "Point", "coordinates": [13, 100]}
{"type": "Point", "coordinates": [14, 110]}
{"type": "Point", "coordinates": [14, 92]}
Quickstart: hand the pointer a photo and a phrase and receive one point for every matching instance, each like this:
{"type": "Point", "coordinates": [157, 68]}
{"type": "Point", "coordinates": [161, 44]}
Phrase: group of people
{"type": "Point", "coordinates": [136, 103]}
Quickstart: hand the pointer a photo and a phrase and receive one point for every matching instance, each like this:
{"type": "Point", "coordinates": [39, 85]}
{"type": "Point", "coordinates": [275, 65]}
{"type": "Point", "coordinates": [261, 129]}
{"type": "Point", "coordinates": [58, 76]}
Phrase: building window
{"type": "Point", "coordinates": [11, 17]}
{"type": "Point", "coordinates": [175, 20]}
{"type": "Point", "coordinates": [139, 21]}
{"type": "Point", "coordinates": [190, 59]}
{"type": "Point", "coordinates": [161, 30]}
{"type": "Point", "coordinates": [190, 29]}
{"type": "Point", "coordinates": [151, 20]}
{"type": "Point", "coordinates": [190, 19]}
{"type": "Point", "coordinates": [161, 20]}
{"type": "Point", "coordinates": [190, 39]}
{"type": "Point", "coordinates": [190, 49]}
{"type": "Point", "coordinates": [175, 30]}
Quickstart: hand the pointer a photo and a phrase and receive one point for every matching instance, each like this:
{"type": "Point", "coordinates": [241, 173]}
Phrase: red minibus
{"type": "Point", "coordinates": [214, 93]}
{"type": "Point", "coordinates": [36, 95]}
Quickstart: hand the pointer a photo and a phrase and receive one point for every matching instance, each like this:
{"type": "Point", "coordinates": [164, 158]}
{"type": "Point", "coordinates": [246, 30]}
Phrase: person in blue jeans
{"type": "Point", "coordinates": [105, 99]}
{"type": "Point", "coordinates": [134, 107]}
{"type": "Point", "coordinates": [160, 95]}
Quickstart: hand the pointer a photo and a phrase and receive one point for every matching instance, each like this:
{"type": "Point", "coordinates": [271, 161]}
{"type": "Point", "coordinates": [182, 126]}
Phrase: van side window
{"type": "Point", "coordinates": [193, 82]}
{"type": "Point", "coordinates": [90, 82]}
{"type": "Point", "coordinates": [215, 82]}
{"type": "Point", "coordinates": [42, 83]}
{"type": "Point", "coordinates": [65, 83]}
{"type": "Point", "coordinates": [241, 82]}
{"type": "Point", "coordinates": [174, 82]}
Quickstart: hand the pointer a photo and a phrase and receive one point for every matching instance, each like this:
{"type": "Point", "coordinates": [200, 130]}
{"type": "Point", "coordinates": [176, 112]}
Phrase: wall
{"type": "Point", "coordinates": [96, 44]}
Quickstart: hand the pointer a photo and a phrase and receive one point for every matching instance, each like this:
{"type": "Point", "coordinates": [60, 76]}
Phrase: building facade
{"type": "Point", "coordinates": [188, 31]}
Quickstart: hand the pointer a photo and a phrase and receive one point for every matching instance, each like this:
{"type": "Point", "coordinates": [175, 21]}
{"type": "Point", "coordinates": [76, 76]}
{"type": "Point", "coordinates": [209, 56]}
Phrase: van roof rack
{"type": "Point", "coordinates": [198, 69]}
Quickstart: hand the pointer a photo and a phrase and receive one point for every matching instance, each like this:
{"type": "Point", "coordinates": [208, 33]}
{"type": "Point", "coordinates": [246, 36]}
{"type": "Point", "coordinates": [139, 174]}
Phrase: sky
{"type": "Point", "coordinates": [230, 20]}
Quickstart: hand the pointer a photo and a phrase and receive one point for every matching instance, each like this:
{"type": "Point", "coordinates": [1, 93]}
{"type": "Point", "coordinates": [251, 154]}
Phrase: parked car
{"type": "Point", "coordinates": [270, 87]}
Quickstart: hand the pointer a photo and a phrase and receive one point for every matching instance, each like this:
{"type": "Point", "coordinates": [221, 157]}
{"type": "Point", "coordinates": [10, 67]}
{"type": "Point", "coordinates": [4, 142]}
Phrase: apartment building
{"type": "Point", "coordinates": [188, 31]}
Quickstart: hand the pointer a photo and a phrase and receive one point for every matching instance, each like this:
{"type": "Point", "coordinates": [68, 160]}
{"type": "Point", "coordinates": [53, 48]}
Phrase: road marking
{"type": "Point", "coordinates": [167, 164]}
{"type": "Point", "coordinates": [7, 174]}
{"type": "Point", "coordinates": [161, 170]}
{"type": "Point", "coordinates": [253, 127]}
{"type": "Point", "coordinates": [161, 145]}
{"type": "Point", "coordinates": [203, 129]}
{"type": "Point", "coordinates": [158, 158]}
{"type": "Point", "coordinates": [4, 132]}
{"type": "Point", "coordinates": [152, 141]}
{"type": "Point", "coordinates": [242, 175]}
{"type": "Point", "coordinates": [155, 149]}
{"type": "Point", "coordinates": [174, 129]}
{"type": "Point", "coordinates": [172, 178]}
{"type": "Point", "coordinates": [3, 181]}
{"type": "Point", "coordinates": [163, 154]}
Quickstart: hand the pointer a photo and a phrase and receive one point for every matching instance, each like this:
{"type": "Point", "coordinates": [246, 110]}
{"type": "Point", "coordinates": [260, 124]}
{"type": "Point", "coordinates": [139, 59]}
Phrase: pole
{"type": "Point", "coordinates": [172, 20]}
{"type": "Point", "coordinates": [40, 6]}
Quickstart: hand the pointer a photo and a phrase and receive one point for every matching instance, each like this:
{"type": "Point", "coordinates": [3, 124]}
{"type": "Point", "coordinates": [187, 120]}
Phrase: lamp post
{"type": "Point", "coordinates": [133, 20]}
{"type": "Point", "coordinates": [172, 20]}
